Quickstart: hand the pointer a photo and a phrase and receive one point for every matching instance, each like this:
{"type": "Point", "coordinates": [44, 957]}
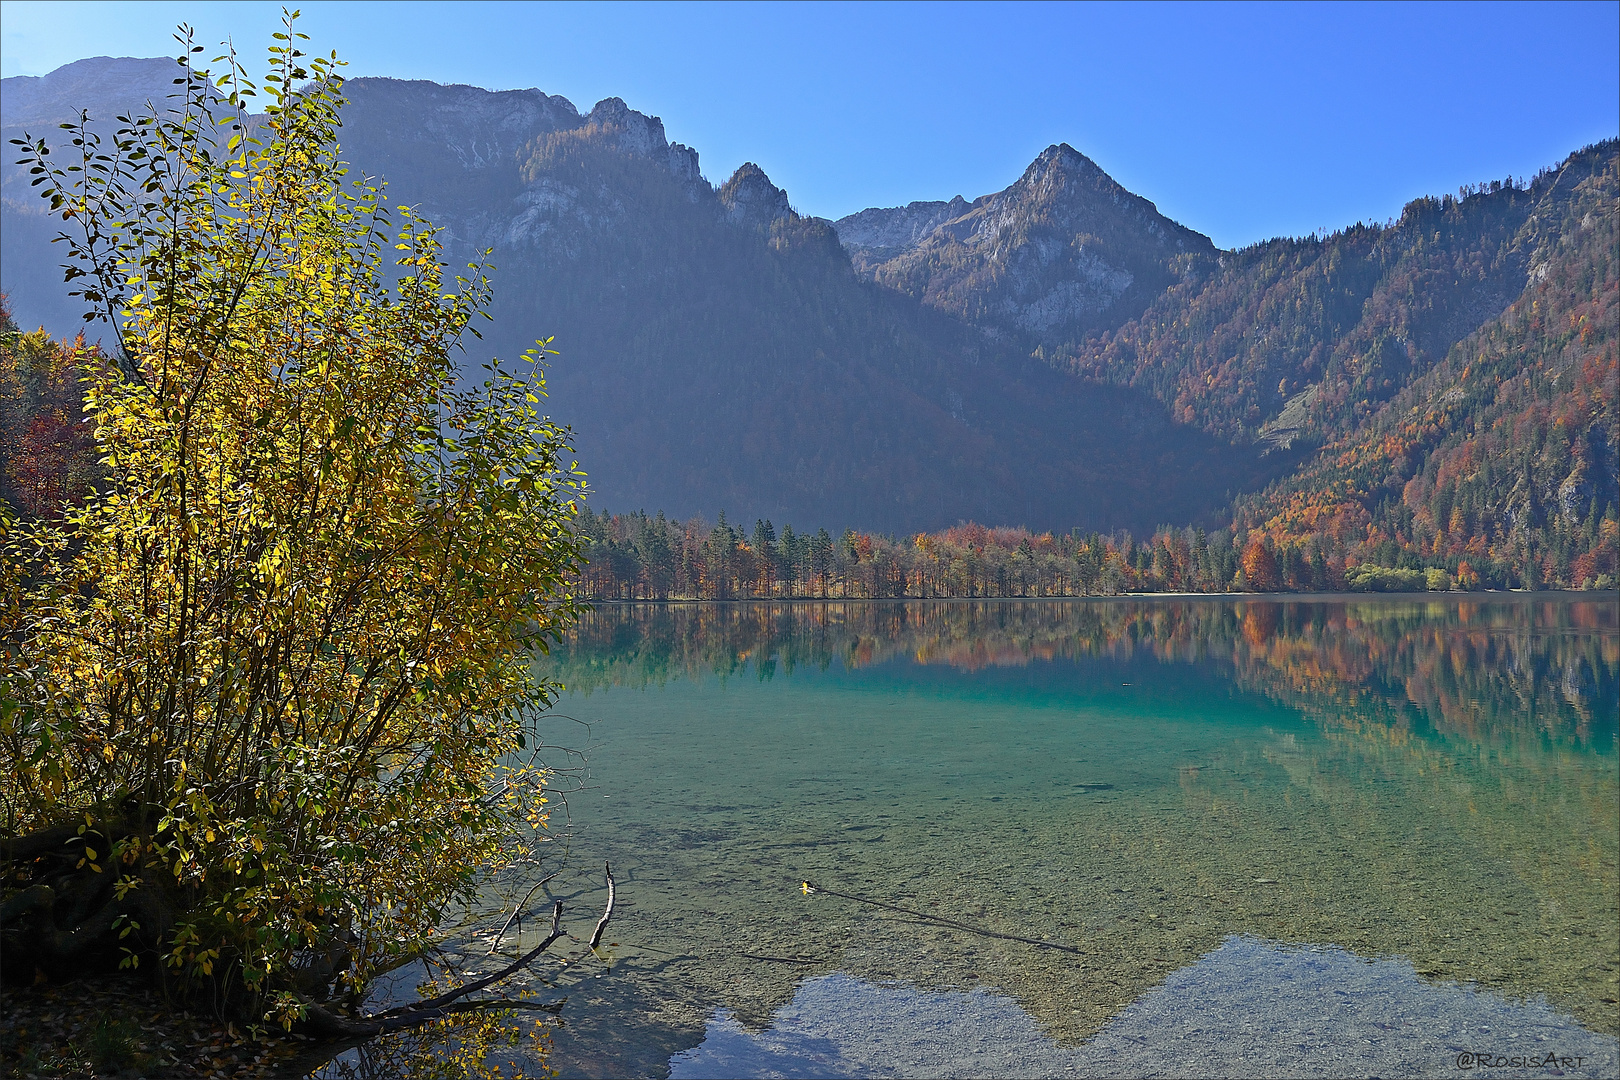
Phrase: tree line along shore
{"type": "Point", "coordinates": [638, 556]}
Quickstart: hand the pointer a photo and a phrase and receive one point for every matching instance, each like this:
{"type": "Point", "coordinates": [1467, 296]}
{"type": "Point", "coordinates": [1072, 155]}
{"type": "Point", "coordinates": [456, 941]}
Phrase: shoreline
{"type": "Point", "coordinates": [1492, 595]}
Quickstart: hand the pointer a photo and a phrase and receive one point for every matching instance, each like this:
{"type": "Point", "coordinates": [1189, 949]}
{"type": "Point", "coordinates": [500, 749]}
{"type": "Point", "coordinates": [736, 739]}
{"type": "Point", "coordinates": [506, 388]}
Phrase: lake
{"type": "Point", "coordinates": [1236, 837]}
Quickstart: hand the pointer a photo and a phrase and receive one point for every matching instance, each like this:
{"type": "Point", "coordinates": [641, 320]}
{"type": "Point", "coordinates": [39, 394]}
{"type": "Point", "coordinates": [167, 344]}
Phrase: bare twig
{"type": "Point", "coordinates": [521, 904]}
{"type": "Point", "coordinates": [811, 887]}
{"type": "Point", "coordinates": [607, 913]}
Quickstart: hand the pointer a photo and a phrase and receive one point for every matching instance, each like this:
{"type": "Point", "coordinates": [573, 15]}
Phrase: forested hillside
{"type": "Point", "coordinates": [1499, 462]}
{"type": "Point", "coordinates": [1306, 339]}
{"type": "Point", "coordinates": [1485, 462]}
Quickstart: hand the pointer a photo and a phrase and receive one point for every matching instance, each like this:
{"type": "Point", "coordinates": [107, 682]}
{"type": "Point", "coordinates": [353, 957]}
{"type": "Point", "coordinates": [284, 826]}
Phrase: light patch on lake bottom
{"type": "Point", "coordinates": [1250, 1008]}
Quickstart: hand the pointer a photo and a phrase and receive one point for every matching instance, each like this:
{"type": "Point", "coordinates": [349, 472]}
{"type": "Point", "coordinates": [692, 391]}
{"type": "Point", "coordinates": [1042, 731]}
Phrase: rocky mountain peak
{"type": "Point", "coordinates": [751, 199]}
{"type": "Point", "coordinates": [643, 135]}
{"type": "Point", "coordinates": [1067, 190]}
{"type": "Point", "coordinates": [1062, 251]}
{"type": "Point", "coordinates": [638, 133]}
{"type": "Point", "coordinates": [1061, 159]}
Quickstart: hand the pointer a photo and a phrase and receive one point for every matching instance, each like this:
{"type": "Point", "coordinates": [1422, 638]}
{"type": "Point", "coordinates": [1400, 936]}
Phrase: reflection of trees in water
{"type": "Point", "coordinates": [1449, 807]}
{"type": "Point", "coordinates": [1480, 670]}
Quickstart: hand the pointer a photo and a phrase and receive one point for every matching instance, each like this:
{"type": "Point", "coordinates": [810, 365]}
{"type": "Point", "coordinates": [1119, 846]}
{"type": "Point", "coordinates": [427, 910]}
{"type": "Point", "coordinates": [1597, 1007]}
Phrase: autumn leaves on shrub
{"type": "Point", "coordinates": [266, 705]}
{"type": "Point", "coordinates": [47, 452]}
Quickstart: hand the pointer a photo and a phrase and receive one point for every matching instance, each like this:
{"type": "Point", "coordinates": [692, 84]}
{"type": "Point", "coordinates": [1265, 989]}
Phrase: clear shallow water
{"type": "Point", "coordinates": [1428, 784]}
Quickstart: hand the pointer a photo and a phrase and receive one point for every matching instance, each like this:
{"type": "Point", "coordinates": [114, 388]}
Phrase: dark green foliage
{"type": "Point", "coordinates": [111, 1044]}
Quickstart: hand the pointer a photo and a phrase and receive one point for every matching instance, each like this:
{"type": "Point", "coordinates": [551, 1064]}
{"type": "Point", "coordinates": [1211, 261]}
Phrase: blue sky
{"type": "Point", "coordinates": [1242, 121]}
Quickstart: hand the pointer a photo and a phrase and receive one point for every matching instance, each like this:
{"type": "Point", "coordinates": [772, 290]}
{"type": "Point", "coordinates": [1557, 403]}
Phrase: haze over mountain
{"type": "Point", "coordinates": [1057, 354]}
{"type": "Point", "coordinates": [718, 351]}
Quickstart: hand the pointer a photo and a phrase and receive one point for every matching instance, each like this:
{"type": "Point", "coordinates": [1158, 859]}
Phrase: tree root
{"type": "Point", "coordinates": [67, 921]}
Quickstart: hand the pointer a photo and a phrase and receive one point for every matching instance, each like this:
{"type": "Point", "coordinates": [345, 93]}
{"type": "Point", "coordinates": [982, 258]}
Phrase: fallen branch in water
{"type": "Point", "coordinates": [521, 904]}
{"type": "Point", "coordinates": [324, 1021]}
{"type": "Point", "coordinates": [607, 913]}
{"type": "Point", "coordinates": [811, 887]}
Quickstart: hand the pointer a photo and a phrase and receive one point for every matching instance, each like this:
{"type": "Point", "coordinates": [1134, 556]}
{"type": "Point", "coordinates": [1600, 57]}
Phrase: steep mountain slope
{"type": "Point", "coordinates": [1502, 456]}
{"type": "Point", "coordinates": [1063, 251]}
{"type": "Point", "coordinates": [719, 352]}
{"type": "Point", "coordinates": [1305, 338]}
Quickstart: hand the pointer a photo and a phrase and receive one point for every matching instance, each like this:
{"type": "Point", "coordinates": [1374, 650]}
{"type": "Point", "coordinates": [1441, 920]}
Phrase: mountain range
{"type": "Point", "coordinates": [1057, 354]}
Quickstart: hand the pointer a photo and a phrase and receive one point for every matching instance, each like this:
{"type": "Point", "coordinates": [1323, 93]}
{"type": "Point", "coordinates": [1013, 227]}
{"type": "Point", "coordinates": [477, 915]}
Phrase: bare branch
{"type": "Point", "coordinates": [521, 904]}
{"type": "Point", "coordinates": [607, 913]}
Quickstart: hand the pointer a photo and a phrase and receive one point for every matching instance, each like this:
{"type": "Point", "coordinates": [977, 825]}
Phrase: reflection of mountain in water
{"type": "Point", "coordinates": [1250, 1008]}
{"type": "Point", "coordinates": [1490, 671]}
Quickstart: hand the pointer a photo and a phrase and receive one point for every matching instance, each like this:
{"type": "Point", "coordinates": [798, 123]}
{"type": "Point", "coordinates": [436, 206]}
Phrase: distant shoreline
{"type": "Point", "coordinates": [1321, 597]}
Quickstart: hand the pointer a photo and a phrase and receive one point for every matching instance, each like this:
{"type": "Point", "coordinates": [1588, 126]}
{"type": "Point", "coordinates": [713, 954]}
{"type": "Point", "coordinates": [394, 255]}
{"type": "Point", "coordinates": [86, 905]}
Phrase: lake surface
{"type": "Point", "coordinates": [1347, 837]}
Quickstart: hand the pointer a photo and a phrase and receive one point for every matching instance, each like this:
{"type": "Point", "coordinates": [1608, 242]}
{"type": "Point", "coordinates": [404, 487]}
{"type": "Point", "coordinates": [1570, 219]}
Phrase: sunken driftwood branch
{"type": "Point", "coordinates": [607, 912]}
{"type": "Point", "coordinates": [811, 887]}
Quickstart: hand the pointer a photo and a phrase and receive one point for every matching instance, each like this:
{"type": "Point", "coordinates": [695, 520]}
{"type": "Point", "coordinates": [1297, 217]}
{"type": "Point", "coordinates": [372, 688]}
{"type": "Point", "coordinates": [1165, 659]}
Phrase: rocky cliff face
{"type": "Point", "coordinates": [103, 85]}
{"type": "Point", "coordinates": [1061, 252]}
{"type": "Point", "coordinates": [466, 157]}
{"type": "Point", "coordinates": [878, 234]}
{"type": "Point", "coordinates": [751, 199]}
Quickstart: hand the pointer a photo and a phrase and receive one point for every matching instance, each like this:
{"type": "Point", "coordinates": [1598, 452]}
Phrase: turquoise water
{"type": "Point", "coordinates": [1153, 787]}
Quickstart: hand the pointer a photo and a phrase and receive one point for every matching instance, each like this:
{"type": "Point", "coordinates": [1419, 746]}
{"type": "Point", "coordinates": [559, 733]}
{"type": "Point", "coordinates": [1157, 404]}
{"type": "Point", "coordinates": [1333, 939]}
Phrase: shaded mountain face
{"type": "Point", "coordinates": [719, 351]}
{"type": "Point", "coordinates": [102, 85]}
{"type": "Point", "coordinates": [1063, 252]}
